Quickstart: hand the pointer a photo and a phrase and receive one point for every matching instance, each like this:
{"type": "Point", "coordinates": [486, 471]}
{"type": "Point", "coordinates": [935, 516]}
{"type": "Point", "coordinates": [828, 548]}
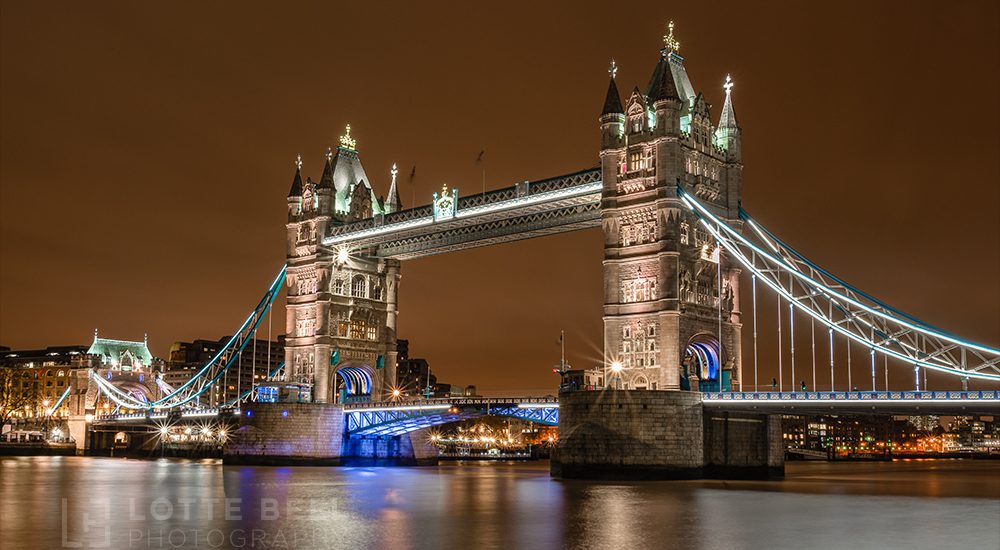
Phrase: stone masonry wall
{"type": "Point", "coordinates": [287, 433]}
{"type": "Point", "coordinates": [743, 445]}
{"type": "Point", "coordinates": [629, 434]}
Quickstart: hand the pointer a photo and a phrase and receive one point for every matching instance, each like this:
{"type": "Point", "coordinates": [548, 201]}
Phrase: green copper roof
{"type": "Point", "coordinates": [111, 351]}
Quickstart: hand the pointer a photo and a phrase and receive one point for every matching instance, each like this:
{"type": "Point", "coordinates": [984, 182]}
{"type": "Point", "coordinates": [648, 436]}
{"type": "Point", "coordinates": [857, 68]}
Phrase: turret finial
{"type": "Point", "coordinates": [394, 171]}
{"type": "Point", "coordinates": [347, 141]}
{"type": "Point", "coordinates": [728, 86]}
{"type": "Point", "coordinates": [298, 162]}
{"type": "Point", "coordinates": [670, 44]}
{"type": "Point", "coordinates": [613, 69]}
{"type": "Point", "coordinates": [329, 154]}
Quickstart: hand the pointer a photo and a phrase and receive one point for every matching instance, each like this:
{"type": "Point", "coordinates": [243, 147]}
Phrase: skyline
{"type": "Point", "coordinates": [897, 173]}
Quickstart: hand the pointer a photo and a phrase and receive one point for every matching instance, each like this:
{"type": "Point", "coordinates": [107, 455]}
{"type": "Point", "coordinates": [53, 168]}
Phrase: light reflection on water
{"type": "Point", "coordinates": [920, 504]}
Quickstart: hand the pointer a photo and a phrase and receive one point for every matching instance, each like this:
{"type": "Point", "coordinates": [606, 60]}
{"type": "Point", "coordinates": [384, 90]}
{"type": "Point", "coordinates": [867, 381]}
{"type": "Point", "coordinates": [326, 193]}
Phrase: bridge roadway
{"type": "Point", "coordinates": [399, 417]}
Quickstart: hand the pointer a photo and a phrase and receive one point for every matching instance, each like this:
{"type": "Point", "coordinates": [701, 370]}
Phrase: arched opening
{"type": "Point", "coordinates": [640, 382]}
{"type": "Point", "coordinates": [353, 383]}
{"type": "Point", "coordinates": [121, 438]}
{"type": "Point", "coordinates": [703, 358]}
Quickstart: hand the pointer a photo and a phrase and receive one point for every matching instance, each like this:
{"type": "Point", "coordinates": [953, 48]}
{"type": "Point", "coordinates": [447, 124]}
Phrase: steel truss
{"type": "Point", "coordinates": [843, 308]}
{"type": "Point", "coordinates": [395, 419]}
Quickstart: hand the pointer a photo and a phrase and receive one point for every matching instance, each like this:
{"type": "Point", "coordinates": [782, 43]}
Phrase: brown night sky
{"type": "Point", "coordinates": [147, 149]}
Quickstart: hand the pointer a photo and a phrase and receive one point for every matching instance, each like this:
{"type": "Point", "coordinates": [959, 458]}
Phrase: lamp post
{"type": "Point", "coordinates": [616, 369]}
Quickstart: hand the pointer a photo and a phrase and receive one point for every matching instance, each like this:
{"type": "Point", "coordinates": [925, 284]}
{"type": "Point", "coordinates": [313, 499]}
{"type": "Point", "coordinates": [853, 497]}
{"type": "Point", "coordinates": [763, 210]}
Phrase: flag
{"type": "Point", "coordinates": [479, 159]}
{"type": "Point", "coordinates": [413, 173]}
{"type": "Point", "coordinates": [335, 357]}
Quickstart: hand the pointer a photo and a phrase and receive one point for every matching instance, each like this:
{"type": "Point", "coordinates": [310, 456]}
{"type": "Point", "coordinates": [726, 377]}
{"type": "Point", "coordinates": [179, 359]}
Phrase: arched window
{"type": "Point", "coordinates": [377, 292]}
{"type": "Point", "coordinates": [358, 287]}
{"type": "Point", "coordinates": [338, 286]}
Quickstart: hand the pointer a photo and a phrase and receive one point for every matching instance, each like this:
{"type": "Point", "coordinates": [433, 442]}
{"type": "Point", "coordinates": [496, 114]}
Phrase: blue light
{"type": "Point", "coordinates": [283, 413]}
{"type": "Point", "coordinates": [249, 413]}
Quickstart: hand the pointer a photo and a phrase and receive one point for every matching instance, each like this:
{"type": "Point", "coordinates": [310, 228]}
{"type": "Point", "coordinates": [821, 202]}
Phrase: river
{"type": "Point", "coordinates": [77, 502]}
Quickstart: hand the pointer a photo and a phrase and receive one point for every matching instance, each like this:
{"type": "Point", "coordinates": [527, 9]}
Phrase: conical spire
{"type": "Point", "coordinates": [392, 203]}
{"type": "Point", "coordinates": [661, 84]}
{"type": "Point", "coordinates": [296, 190]}
{"type": "Point", "coordinates": [613, 101]}
{"type": "Point", "coordinates": [728, 118]}
{"type": "Point", "coordinates": [326, 182]}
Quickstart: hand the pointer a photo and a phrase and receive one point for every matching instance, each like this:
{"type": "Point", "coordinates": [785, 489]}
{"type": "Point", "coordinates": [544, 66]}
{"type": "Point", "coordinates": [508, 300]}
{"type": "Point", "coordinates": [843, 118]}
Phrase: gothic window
{"type": "Point", "coordinates": [377, 291]}
{"type": "Point", "coordinates": [636, 122]}
{"type": "Point", "coordinates": [358, 287]}
{"type": "Point", "coordinates": [303, 233]}
{"type": "Point", "coordinates": [627, 332]}
{"type": "Point", "coordinates": [652, 331]}
{"type": "Point", "coordinates": [361, 330]}
{"type": "Point", "coordinates": [640, 289]}
{"type": "Point", "coordinates": [685, 227]}
{"type": "Point", "coordinates": [338, 286]}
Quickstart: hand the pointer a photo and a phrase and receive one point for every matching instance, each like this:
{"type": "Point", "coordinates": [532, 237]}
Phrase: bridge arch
{"type": "Point", "coordinates": [402, 419]}
{"type": "Point", "coordinates": [704, 358]}
{"type": "Point", "coordinates": [352, 381]}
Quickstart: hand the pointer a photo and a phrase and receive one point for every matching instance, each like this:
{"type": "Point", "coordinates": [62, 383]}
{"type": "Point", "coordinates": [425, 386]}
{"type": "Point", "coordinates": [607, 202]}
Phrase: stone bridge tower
{"type": "Point", "coordinates": [341, 313]}
{"type": "Point", "coordinates": [671, 309]}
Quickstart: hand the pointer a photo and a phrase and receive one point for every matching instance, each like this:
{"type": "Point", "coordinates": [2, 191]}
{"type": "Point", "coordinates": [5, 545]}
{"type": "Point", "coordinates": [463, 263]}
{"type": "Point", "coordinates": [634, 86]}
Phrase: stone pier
{"type": "Point", "coordinates": [287, 434]}
{"type": "Point", "coordinates": [312, 434]}
{"type": "Point", "coordinates": [640, 434]}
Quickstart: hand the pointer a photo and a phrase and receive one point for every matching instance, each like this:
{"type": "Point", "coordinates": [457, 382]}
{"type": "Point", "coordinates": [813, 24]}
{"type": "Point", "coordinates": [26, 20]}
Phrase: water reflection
{"type": "Point", "coordinates": [202, 504]}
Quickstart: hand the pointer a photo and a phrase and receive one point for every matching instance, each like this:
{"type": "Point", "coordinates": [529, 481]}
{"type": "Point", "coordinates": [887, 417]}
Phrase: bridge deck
{"type": "Point", "coordinates": [859, 402]}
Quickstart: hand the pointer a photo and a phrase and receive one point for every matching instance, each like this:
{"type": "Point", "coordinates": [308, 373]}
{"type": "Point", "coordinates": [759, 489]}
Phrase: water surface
{"type": "Point", "coordinates": [53, 502]}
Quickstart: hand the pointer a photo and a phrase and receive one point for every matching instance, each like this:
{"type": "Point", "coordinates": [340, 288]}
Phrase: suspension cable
{"type": "Point", "coordinates": [718, 277]}
{"type": "Point", "coordinates": [753, 281]}
{"type": "Point", "coordinates": [833, 387]}
{"type": "Point", "coordinates": [812, 331]}
{"type": "Point", "coordinates": [791, 339]}
{"type": "Point", "coordinates": [849, 386]}
{"type": "Point", "coordinates": [269, 341]}
{"type": "Point", "coordinates": [780, 368]}
{"type": "Point", "coordinates": [872, 352]}
{"type": "Point", "coordinates": [886, 360]}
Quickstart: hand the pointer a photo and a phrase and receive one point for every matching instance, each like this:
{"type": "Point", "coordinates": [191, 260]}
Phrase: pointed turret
{"type": "Point", "coordinates": [326, 182]}
{"type": "Point", "coordinates": [727, 134]}
{"type": "Point", "coordinates": [662, 84]}
{"type": "Point", "coordinates": [728, 119]}
{"type": "Point", "coordinates": [613, 101]}
{"type": "Point", "coordinates": [296, 190]}
{"type": "Point", "coordinates": [612, 116]}
{"type": "Point", "coordinates": [392, 203]}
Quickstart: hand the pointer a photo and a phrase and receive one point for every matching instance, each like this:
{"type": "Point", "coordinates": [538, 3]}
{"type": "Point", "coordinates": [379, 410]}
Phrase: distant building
{"type": "Point", "coordinates": [44, 375]}
{"type": "Point", "coordinates": [254, 364]}
{"type": "Point", "coordinates": [41, 376]}
{"type": "Point", "coordinates": [412, 375]}
{"type": "Point", "coordinates": [927, 423]}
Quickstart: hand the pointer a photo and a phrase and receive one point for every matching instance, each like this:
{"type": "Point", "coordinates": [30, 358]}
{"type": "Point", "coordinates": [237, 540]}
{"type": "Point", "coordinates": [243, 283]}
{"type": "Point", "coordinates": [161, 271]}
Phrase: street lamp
{"type": "Point", "coordinates": [616, 368]}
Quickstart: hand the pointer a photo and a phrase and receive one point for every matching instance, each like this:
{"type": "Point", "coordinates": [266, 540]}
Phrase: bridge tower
{"type": "Point", "coordinates": [671, 310]}
{"type": "Point", "coordinates": [341, 313]}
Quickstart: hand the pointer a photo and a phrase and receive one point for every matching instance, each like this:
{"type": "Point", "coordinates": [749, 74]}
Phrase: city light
{"type": "Point", "coordinates": [616, 367]}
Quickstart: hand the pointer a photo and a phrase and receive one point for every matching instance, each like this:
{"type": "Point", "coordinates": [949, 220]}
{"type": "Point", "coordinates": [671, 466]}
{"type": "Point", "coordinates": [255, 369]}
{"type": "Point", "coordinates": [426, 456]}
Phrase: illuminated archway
{"type": "Point", "coordinates": [704, 358]}
{"type": "Point", "coordinates": [353, 381]}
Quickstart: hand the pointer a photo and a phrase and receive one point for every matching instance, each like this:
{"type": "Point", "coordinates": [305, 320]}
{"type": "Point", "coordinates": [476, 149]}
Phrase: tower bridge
{"type": "Point", "coordinates": [684, 268]}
